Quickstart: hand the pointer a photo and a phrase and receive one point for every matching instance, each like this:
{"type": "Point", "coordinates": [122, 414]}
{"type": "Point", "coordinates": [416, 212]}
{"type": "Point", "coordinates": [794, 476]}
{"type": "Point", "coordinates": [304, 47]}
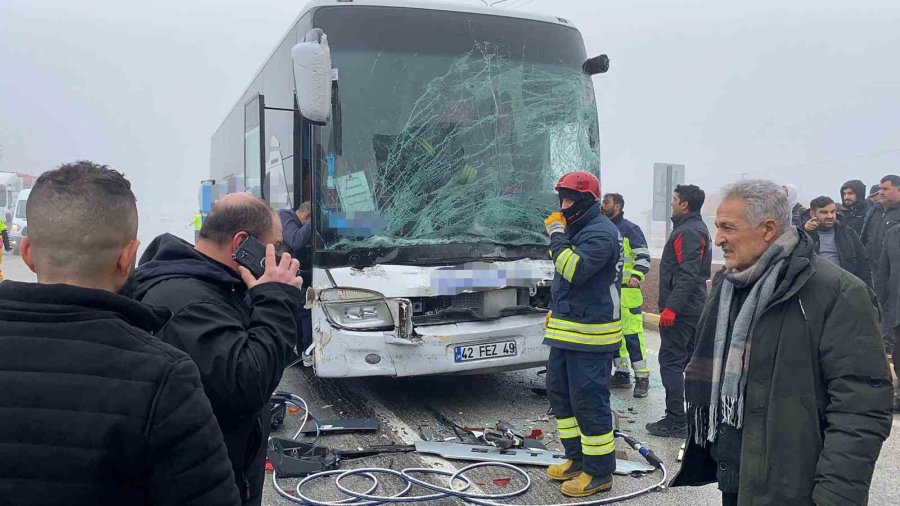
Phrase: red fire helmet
{"type": "Point", "coordinates": [580, 181]}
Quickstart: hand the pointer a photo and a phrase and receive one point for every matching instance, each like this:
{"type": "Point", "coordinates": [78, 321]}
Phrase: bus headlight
{"type": "Point", "coordinates": [14, 228]}
{"type": "Point", "coordinates": [356, 309]}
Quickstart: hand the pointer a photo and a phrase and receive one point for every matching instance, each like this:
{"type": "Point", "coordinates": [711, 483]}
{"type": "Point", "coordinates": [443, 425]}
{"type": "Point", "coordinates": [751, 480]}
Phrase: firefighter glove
{"type": "Point", "coordinates": [555, 223]}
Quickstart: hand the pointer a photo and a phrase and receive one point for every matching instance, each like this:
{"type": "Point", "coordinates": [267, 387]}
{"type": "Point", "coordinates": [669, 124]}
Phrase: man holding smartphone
{"type": "Point", "coordinates": [239, 329]}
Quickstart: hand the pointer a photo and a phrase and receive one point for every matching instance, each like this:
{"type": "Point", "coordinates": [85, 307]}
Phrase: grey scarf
{"type": "Point", "coordinates": [729, 378]}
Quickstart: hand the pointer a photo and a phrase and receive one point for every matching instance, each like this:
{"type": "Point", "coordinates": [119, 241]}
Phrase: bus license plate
{"type": "Point", "coordinates": [482, 351]}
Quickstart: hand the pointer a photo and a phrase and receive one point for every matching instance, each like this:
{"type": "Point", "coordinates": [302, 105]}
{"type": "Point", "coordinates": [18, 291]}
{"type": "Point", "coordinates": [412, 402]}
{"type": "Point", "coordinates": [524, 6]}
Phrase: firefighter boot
{"type": "Point", "coordinates": [585, 485]}
{"type": "Point", "coordinates": [641, 387]}
{"type": "Point", "coordinates": [565, 471]}
{"type": "Point", "coordinates": [621, 379]}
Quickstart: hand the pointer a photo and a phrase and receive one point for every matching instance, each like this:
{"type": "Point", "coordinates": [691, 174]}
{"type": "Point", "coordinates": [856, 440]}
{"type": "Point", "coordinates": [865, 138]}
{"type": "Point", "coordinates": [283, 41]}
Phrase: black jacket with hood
{"type": "Point", "coordinates": [855, 215]}
{"type": "Point", "coordinates": [96, 410]}
{"type": "Point", "coordinates": [240, 339]}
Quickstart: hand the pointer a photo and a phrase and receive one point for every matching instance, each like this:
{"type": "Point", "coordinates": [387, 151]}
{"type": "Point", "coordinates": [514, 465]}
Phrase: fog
{"type": "Point", "coordinates": [804, 93]}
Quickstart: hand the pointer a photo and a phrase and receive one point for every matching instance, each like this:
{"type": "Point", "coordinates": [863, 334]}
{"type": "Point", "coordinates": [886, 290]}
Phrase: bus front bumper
{"type": "Point", "coordinates": [509, 343]}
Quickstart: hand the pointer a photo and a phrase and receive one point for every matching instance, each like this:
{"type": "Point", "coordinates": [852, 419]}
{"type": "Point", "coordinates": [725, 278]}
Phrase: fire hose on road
{"type": "Point", "coordinates": [459, 486]}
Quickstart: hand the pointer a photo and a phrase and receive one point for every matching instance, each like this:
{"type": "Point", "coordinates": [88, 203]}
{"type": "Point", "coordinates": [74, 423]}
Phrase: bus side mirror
{"type": "Point", "coordinates": [312, 76]}
{"type": "Point", "coordinates": [596, 65]}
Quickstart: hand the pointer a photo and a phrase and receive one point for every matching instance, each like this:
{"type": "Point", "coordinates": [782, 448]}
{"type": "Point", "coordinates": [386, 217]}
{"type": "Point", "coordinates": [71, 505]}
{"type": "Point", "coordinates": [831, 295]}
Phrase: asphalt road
{"type": "Point", "coordinates": [405, 408]}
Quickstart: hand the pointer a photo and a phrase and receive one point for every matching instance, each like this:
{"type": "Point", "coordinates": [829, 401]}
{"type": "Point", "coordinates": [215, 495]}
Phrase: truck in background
{"type": "Point", "coordinates": [18, 223]}
{"type": "Point", "coordinates": [11, 187]}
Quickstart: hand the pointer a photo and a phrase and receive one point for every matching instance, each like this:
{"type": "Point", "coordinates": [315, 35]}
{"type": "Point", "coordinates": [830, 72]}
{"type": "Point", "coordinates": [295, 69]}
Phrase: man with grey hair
{"type": "Point", "coordinates": [788, 391]}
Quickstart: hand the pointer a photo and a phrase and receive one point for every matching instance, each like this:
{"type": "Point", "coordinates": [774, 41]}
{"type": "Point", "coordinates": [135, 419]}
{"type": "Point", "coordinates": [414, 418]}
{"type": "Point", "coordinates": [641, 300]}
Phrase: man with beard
{"type": "Point", "coordinates": [884, 217]}
{"type": "Point", "coordinates": [683, 270]}
{"type": "Point", "coordinates": [835, 241]}
{"type": "Point", "coordinates": [856, 208]}
{"type": "Point", "coordinates": [635, 269]}
{"type": "Point", "coordinates": [95, 408]}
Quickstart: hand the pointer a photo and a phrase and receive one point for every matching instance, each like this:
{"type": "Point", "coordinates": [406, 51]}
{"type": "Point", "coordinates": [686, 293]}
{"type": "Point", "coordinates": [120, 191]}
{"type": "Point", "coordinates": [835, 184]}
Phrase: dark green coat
{"type": "Point", "coordinates": [818, 400]}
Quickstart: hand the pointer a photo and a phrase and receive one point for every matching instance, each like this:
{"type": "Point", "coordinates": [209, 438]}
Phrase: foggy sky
{"type": "Point", "coordinates": [805, 93]}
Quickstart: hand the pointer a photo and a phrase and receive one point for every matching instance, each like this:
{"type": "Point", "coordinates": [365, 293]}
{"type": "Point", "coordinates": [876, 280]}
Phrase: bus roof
{"type": "Point", "coordinates": [438, 6]}
{"type": "Point", "coordinates": [409, 4]}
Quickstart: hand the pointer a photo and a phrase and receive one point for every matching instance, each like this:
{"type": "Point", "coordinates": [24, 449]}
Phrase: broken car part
{"type": "Point", "coordinates": [343, 426]}
{"type": "Point", "coordinates": [482, 453]}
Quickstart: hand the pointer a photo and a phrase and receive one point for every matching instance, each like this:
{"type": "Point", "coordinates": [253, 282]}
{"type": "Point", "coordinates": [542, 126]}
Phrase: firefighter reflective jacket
{"type": "Point", "coordinates": [634, 247]}
{"type": "Point", "coordinates": [585, 309]}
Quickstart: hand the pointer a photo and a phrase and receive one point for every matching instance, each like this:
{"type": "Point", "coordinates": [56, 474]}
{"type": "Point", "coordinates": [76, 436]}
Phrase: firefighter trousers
{"type": "Point", "coordinates": [633, 346]}
{"type": "Point", "coordinates": [578, 390]}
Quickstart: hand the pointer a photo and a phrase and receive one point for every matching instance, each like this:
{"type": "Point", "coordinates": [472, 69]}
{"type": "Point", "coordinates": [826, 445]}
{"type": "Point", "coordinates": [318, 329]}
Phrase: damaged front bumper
{"type": "Point", "coordinates": [502, 344]}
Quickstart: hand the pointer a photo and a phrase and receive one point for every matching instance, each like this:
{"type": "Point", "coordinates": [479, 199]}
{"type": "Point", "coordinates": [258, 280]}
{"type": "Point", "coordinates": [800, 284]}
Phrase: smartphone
{"type": "Point", "coordinates": [252, 256]}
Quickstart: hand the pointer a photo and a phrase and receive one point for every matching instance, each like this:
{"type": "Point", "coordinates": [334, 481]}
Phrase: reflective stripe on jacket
{"type": "Point", "coordinates": [586, 310]}
{"type": "Point", "coordinates": [637, 254]}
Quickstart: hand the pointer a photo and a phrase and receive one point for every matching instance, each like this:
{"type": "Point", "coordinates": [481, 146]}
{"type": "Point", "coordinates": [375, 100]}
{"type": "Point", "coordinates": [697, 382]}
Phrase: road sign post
{"type": "Point", "coordinates": [666, 176]}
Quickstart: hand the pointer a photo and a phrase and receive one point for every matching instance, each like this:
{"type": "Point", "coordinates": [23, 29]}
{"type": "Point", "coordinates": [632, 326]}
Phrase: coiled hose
{"type": "Point", "coordinates": [461, 491]}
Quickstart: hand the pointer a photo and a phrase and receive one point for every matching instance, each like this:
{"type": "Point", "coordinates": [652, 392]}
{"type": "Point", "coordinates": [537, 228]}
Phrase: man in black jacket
{"type": "Point", "coordinates": [835, 241]}
{"type": "Point", "coordinates": [239, 330]}
{"type": "Point", "coordinates": [683, 270]}
{"type": "Point", "coordinates": [93, 408]}
{"type": "Point", "coordinates": [856, 208]}
{"type": "Point", "coordinates": [887, 283]}
{"type": "Point", "coordinates": [885, 216]}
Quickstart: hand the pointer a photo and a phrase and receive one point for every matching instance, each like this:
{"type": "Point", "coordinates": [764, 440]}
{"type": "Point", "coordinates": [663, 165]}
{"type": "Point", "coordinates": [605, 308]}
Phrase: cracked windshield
{"type": "Point", "coordinates": [456, 139]}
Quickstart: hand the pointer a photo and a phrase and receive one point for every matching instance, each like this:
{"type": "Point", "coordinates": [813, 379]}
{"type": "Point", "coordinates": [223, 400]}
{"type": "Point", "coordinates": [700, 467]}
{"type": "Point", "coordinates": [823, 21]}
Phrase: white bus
{"type": "Point", "coordinates": [429, 148]}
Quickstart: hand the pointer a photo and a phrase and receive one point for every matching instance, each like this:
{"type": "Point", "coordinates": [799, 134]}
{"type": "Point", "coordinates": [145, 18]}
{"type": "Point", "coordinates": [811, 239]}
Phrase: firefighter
{"type": "Point", "coordinates": [4, 233]}
{"type": "Point", "coordinates": [635, 269]}
{"type": "Point", "coordinates": [584, 332]}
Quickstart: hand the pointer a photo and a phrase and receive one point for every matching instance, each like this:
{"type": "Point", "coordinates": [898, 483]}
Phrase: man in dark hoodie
{"type": "Point", "coordinates": [95, 409]}
{"type": "Point", "coordinates": [239, 330]}
{"type": "Point", "coordinates": [856, 208]}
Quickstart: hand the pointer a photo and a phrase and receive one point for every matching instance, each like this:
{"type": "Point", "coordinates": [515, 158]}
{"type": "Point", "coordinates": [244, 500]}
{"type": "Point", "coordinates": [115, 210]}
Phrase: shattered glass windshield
{"type": "Point", "coordinates": [449, 127]}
